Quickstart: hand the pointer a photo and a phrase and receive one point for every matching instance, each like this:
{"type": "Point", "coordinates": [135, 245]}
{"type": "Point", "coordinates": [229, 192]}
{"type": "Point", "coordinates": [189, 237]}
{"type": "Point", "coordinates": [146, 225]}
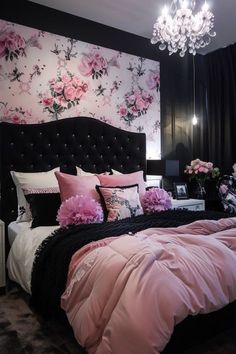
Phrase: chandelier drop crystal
{"type": "Point", "coordinates": [179, 29]}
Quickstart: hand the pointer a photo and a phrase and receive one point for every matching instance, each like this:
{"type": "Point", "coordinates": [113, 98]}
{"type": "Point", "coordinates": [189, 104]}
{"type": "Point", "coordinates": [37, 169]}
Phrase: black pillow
{"type": "Point", "coordinates": [44, 207]}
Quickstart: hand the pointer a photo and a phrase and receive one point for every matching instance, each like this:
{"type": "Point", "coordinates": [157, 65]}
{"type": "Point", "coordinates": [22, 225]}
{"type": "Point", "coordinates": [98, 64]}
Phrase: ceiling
{"type": "Point", "coordinates": [138, 16]}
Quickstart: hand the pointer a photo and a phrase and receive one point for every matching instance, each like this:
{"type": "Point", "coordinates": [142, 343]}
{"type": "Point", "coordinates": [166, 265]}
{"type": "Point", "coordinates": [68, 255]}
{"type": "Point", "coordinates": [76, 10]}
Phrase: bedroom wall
{"type": "Point", "coordinates": [176, 93]}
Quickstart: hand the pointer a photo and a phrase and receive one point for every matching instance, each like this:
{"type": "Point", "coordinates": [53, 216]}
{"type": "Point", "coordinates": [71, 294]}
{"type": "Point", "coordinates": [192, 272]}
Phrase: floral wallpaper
{"type": "Point", "coordinates": [44, 77]}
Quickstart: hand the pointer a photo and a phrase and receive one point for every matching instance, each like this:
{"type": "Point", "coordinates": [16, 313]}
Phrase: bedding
{"type": "Point", "coordinates": [15, 228]}
{"type": "Point", "coordinates": [125, 265]}
{"type": "Point", "coordinates": [21, 254]}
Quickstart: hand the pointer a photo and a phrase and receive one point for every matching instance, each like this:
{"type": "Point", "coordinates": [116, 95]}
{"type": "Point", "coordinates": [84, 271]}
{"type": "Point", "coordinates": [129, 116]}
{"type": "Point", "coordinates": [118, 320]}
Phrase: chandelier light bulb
{"type": "Point", "coordinates": [205, 7]}
{"type": "Point", "coordinates": [184, 4]}
{"type": "Point", "coordinates": [182, 29]}
{"type": "Point", "coordinates": [194, 120]}
{"type": "Point", "coordinates": [165, 11]}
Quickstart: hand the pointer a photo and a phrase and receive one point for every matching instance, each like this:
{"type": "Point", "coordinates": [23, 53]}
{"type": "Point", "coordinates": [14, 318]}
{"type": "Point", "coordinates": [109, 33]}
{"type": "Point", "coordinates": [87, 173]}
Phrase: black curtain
{"type": "Point", "coordinates": [214, 138]}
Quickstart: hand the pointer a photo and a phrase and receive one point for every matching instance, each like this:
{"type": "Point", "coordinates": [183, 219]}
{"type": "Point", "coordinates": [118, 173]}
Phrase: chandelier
{"type": "Point", "coordinates": [179, 29]}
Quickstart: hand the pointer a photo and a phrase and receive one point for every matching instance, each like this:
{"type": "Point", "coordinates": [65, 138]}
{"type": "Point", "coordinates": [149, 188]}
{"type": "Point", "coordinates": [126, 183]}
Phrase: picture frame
{"type": "Point", "coordinates": [181, 190]}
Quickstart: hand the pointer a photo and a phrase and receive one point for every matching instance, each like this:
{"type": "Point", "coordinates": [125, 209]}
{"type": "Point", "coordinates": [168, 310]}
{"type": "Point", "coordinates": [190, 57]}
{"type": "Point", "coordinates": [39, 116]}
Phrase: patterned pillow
{"type": "Point", "coordinates": [27, 180]}
{"type": "Point", "coordinates": [120, 202]}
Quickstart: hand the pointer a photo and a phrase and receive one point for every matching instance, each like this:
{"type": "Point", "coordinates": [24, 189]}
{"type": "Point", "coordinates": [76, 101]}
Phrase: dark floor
{"type": "Point", "coordinates": [22, 332]}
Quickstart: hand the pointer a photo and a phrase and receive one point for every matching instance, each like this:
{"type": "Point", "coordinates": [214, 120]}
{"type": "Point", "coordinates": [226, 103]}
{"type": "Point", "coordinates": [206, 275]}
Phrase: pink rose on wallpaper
{"type": "Point", "coordinates": [66, 92]}
{"type": "Point", "coordinates": [153, 80]}
{"type": "Point", "coordinates": [58, 87]}
{"type": "Point", "coordinates": [140, 103]}
{"type": "Point", "coordinates": [65, 79]}
{"type": "Point", "coordinates": [123, 111]}
{"type": "Point", "coordinates": [13, 45]}
{"type": "Point", "coordinates": [93, 64]}
{"type": "Point", "coordinates": [16, 115]}
{"type": "Point", "coordinates": [69, 93]}
{"type": "Point", "coordinates": [136, 104]}
{"type": "Point", "coordinates": [48, 101]}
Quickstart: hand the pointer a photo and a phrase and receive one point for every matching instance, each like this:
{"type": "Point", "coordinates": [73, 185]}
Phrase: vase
{"type": "Point", "coordinates": [200, 191]}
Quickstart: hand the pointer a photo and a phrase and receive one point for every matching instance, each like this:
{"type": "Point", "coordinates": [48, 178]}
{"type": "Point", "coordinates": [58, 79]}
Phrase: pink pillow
{"type": "Point", "coordinates": [127, 179]}
{"type": "Point", "coordinates": [77, 185]}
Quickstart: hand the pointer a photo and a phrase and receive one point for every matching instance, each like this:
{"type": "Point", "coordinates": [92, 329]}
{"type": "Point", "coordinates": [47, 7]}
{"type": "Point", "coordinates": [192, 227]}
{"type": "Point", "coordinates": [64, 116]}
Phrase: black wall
{"type": "Point", "coordinates": [176, 72]}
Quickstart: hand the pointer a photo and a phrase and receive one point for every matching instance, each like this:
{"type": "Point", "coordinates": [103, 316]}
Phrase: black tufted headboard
{"type": "Point", "coordinates": [85, 142]}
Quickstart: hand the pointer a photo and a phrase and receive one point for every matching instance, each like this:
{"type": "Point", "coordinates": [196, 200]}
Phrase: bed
{"type": "Point", "coordinates": [96, 147]}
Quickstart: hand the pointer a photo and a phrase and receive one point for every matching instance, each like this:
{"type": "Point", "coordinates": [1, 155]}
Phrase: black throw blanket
{"type": "Point", "coordinates": [53, 257]}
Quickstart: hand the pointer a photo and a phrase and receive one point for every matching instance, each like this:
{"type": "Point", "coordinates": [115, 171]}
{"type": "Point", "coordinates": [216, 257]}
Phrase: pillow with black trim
{"type": "Point", "coordinates": [43, 206]}
{"type": "Point", "coordinates": [120, 202]}
{"type": "Point", "coordinates": [27, 180]}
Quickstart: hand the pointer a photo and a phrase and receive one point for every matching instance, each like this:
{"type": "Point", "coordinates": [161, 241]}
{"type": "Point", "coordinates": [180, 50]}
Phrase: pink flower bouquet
{"type": "Point", "coordinates": [136, 104]}
{"type": "Point", "coordinates": [65, 92]}
{"type": "Point", "coordinates": [201, 170]}
{"type": "Point", "coordinates": [156, 199]}
{"type": "Point", "coordinates": [79, 209]}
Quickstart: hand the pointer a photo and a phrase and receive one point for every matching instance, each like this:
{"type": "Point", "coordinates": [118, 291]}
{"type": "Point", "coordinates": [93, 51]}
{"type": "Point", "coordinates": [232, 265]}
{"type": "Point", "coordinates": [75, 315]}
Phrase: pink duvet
{"type": "Point", "coordinates": [125, 295]}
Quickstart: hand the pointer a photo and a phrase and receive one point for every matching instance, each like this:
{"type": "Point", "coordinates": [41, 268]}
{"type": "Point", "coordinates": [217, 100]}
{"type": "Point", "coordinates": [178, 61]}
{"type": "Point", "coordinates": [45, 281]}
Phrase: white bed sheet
{"type": "Point", "coordinates": [14, 228]}
{"type": "Point", "coordinates": [21, 256]}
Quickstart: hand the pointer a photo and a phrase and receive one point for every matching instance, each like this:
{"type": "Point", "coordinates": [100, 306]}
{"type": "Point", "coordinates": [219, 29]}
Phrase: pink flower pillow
{"type": "Point", "coordinates": [79, 210]}
{"type": "Point", "coordinates": [120, 202]}
{"type": "Point", "coordinates": [156, 199]}
{"type": "Point", "coordinates": [71, 185]}
{"type": "Point", "coordinates": [128, 179]}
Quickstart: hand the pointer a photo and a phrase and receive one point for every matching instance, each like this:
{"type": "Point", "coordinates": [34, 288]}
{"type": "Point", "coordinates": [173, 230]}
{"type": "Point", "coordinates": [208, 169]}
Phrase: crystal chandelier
{"type": "Point", "coordinates": [178, 28]}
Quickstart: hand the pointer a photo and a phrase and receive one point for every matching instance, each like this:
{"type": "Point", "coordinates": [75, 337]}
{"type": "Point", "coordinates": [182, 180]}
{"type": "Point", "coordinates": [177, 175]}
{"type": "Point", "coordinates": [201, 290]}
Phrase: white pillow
{"type": "Point", "coordinates": [81, 172]}
{"type": "Point", "coordinates": [27, 180]}
{"type": "Point", "coordinates": [115, 172]}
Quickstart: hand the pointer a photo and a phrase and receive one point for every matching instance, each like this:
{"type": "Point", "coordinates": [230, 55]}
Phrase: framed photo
{"type": "Point", "coordinates": [181, 190]}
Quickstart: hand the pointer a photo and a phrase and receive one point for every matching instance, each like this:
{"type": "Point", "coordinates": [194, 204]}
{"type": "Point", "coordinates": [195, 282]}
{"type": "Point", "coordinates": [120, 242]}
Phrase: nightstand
{"type": "Point", "coordinates": [2, 255]}
{"type": "Point", "coordinates": [190, 204]}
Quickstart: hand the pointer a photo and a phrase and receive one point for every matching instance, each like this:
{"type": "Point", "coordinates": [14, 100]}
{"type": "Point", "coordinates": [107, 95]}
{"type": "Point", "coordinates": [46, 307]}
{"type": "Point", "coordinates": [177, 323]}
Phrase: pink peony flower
{"type": "Point", "coordinates": [70, 93]}
{"type": "Point", "coordinates": [79, 209]}
{"type": "Point", "coordinates": [140, 103]}
{"type": "Point", "coordinates": [58, 87]}
{"type": "Point", "coordinates": [153, 80]}
{"type": "Point", "coordinates": [66, 79]}
{"type": "Point", "coordinates": [156, 199]}
{"type": "Point", "coordinates": [15, 118]}
{"type": "Point", "coordinates": [85, 66]}
{"type": "Point", "coordinates": [62, 102]}
{"type": "Point", "coordinates": [85, 87]}
{"type": "Point", "coordinates": [48, 101]}
{"type": "Point", "coordinates": [79, 92]}
{"type": "Point", "coordinates": [123, 111]}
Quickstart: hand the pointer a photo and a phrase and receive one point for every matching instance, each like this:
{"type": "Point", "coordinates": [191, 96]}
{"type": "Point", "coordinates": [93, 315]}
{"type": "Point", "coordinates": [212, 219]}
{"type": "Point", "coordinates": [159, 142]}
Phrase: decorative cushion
{"type": "Point", "coordinates": [43, 206]}
{"type": "Point", "coordinates": [128, 179]}
{"type": "Point", "coordinates": [77, 185]}
{"type": "Point", "coordinates": [156, 199]}
{"type": "Point", "coordinates": [26, 180]}
{"type": "Point", "coordinates": [120, 202]}
{"type": "Point", "coordinates": [227, 192]}
{"type": "Point", "coordinates": [79, 209]}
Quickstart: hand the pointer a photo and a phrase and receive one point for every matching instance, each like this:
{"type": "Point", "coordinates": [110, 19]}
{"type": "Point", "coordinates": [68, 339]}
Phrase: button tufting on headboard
{"type": "Point", "coordinates": [86, 142]}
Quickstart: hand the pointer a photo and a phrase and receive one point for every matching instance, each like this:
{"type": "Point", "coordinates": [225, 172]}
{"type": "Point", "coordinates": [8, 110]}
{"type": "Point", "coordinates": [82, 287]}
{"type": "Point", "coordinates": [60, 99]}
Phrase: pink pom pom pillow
{"type": "Point", "coordinates": [121, 180]}
{"type": "Point", "coordinates": [120, 202]}
{"type": "Point", "coordinates": [79, 209]}
{"type": "Point", "coordinates": [72, 185]}
{"type": "Point", "coordinates": [156, 199]}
